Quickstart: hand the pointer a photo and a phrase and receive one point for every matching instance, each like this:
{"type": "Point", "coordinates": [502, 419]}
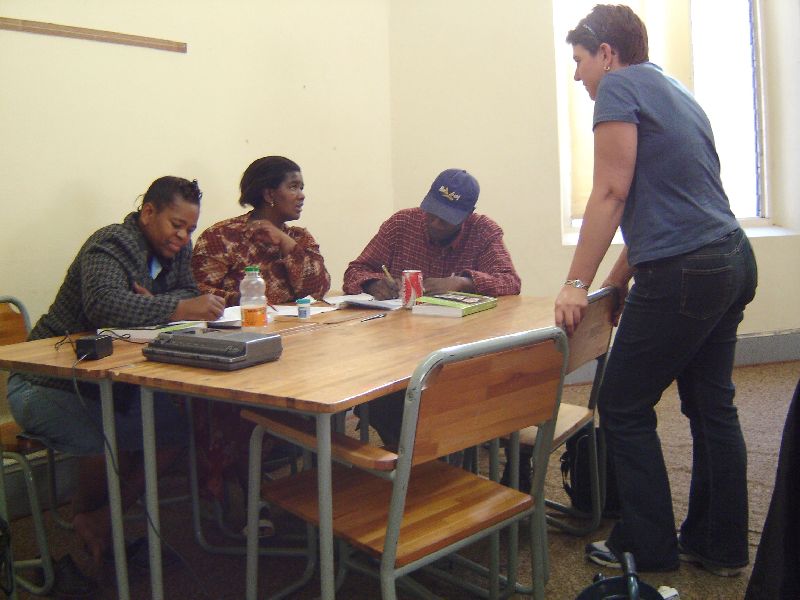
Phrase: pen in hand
{"type": "Point", "coordinates": [388, 275]}
{"type": "Point", "coordinates": [391, 282]}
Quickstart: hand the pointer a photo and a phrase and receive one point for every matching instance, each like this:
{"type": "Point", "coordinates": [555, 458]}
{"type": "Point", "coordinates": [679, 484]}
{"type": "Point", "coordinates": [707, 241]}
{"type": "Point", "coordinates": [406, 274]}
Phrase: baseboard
{"type": "Point", "coordinates": [774, 346]}
{"type": "Point", "coordinates": [751, 349]}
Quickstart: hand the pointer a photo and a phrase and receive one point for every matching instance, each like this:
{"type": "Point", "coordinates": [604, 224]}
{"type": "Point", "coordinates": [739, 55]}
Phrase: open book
{"type": "Point", "coordinates": [231, 317]}
{"type": "Point", "coordinates": [452, 304]}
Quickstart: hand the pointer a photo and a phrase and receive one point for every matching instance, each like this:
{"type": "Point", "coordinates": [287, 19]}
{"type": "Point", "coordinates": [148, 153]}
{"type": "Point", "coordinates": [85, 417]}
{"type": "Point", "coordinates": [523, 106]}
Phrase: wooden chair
{"type": "Point", "coordinates": [14, 328]}
{"type": "Point", "coordinates": [409, 509]}
{"type": "Point", "coordinates": [589, 342]}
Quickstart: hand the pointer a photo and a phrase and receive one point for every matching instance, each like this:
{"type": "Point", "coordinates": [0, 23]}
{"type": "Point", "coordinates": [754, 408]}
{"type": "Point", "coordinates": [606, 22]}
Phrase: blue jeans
{"type": "Point", "coordinates": [66, 423]}
{"type": "Point", "coordinates": [679, 322]}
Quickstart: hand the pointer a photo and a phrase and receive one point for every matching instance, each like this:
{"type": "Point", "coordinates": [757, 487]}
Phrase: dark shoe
{"type": "Point", "coordinates": [599, 554]}
{"type": "Point", "coordinates": [524, 473]}
{"type": "Point", "coordinates": [70, 582]}
{"type": "Point", "coordinates": [138, 554]}
{"type": "Point", "coordinates": [686, 555]}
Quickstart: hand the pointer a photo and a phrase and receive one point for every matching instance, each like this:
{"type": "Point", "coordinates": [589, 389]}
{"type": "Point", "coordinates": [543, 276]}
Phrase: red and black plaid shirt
{"type": "Point", "coordinates": [402, 243]}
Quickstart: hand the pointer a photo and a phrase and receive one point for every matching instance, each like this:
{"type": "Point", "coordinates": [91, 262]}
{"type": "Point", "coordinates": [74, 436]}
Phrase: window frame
{"type": "Point", "coordinates": [570, 224]}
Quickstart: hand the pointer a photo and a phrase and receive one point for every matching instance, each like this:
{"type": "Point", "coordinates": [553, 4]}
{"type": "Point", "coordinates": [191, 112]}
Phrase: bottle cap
{"type": "Point", "coordinates": [303, 301]}
{"type": "Point", "coordinates": [252, 269]}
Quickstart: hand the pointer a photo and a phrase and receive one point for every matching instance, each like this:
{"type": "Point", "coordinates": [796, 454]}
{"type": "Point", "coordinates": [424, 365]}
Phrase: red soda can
{"type": "Point", "coordinates": [410, 287]}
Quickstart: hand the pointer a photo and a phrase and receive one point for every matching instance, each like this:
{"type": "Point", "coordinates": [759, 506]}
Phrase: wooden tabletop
{"type": "Point", "coordinates": [43, 358]}
{"type": "Point", "coordinates": [339, 360]}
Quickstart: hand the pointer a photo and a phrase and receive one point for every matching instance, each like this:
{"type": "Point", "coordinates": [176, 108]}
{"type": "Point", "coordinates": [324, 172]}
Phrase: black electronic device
{"type": "Point", "coordinates": [212, 349]}
{"type": "Point", "coordinates": [93, 347]}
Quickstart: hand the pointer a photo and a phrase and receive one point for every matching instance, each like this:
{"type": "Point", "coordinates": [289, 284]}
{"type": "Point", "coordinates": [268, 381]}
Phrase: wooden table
{"type": "Point", "coordinates": [339, 362]}
{"type": "Point", "coordinates": [43, 358]}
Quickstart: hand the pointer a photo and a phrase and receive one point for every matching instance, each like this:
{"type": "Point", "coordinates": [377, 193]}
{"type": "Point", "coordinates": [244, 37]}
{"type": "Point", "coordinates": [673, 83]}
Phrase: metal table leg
{"type": "Point", "coordinates": [325, 488]}
{"type": "Point", "coordinates": [114, 496]}
{"type": "Point", "coordinates": [151, 493]}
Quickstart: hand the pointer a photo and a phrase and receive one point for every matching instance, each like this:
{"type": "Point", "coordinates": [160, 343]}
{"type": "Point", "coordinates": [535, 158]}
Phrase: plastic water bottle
{"type": "Point", "coordinates": [253, 298]}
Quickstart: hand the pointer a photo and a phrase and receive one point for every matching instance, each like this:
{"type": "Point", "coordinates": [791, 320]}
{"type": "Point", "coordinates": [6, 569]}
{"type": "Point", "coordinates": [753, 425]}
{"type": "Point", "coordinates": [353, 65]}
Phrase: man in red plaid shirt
{"type": "Point", "coordinates": [456, 249]}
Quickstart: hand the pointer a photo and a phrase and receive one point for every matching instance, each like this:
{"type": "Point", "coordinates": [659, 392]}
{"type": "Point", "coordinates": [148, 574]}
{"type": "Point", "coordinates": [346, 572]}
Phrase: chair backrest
{"type": "Point", "coordinates": [590, 340]}
{"type": "Point", "coordinates": [464, 395]}
{"type": "Point", "coordinates": [14, 324]}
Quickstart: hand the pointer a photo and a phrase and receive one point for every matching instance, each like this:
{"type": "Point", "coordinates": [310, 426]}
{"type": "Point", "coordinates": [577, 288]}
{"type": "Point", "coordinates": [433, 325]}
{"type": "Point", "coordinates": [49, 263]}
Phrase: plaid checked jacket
{"type": "Point", "coordinates": [98, 288]}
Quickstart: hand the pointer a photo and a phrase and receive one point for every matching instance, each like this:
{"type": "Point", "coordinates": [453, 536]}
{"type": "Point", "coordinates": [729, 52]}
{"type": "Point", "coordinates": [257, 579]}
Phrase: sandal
{"type": "Point", "coordinates": [266, 528]}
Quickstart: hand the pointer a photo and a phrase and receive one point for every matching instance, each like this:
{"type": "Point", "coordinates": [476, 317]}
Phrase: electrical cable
{"type": "Point", "coordinates": [125, 337]}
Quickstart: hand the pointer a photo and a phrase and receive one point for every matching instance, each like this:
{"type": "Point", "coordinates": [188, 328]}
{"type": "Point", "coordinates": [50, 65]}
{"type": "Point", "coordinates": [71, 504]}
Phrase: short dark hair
{"type": "Point", "coordinates": [616, 25]}
{"type": "Point", "coordinates": [266, 173]}
{"type": "Point", "coordinates": [163, 190]}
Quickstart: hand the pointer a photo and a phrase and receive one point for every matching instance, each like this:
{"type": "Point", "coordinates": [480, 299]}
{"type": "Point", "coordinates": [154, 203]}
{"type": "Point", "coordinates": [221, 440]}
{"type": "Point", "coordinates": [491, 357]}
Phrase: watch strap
{"type": "Point", "coordinates": [577, 283]}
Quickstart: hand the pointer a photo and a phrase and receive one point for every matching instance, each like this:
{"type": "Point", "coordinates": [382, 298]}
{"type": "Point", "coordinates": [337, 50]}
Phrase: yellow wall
{"type": "Point", "coordinates": [371, 97]}
{"type": "Point", "coordinates": [85, 126]}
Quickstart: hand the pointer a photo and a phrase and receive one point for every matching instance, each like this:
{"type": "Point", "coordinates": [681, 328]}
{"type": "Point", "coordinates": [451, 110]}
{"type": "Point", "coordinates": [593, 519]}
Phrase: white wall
{"type": "Point", "coordinates": [371, 97]}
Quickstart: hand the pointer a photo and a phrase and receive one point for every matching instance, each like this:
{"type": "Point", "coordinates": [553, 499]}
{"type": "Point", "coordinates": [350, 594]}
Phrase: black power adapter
{"type": "Point", "coordinates": [92, 347]}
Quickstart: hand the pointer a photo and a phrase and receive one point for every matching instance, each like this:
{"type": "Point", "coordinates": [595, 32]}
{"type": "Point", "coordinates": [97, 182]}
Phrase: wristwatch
{"type": "Point", "coordinates": [577, 283]}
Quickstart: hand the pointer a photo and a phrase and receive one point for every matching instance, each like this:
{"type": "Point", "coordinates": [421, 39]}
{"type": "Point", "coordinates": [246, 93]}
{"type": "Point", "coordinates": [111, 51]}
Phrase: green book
{"type": "Point", "coordinates": [452, 304]}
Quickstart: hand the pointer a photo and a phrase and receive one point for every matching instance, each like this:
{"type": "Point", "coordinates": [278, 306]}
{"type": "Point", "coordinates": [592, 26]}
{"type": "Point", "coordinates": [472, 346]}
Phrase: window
{"type": "Point", "coordinates": [714, 54]}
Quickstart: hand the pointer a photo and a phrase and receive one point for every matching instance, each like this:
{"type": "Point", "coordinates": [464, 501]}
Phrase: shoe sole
{"type": "Point", "coordinates": [600, 554]}
{"type": "Point", "coordinates": [693, 559]}
{"type": "Point", "coordinates": [598, 560]}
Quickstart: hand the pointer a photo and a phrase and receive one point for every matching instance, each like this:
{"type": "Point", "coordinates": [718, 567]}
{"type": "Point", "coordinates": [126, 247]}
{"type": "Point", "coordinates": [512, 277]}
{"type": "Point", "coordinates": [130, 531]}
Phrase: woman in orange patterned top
{"type": "Point", "coordinates": [292, 267]}
{"type": "Point", "coordinates": [289, 257]}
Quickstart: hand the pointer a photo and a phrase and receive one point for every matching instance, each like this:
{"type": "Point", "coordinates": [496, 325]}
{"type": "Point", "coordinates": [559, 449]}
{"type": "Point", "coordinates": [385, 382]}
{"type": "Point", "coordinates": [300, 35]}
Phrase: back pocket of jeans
{"type": "Point", "coordinates": [705, 292]}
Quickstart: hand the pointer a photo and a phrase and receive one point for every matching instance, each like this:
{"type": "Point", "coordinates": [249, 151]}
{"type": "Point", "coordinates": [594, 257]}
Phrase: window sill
{"type": "Point", "coordinates": [759, 231]}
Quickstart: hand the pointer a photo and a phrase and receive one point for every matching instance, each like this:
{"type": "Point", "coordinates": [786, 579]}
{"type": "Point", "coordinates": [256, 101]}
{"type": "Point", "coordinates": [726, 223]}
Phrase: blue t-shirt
{"type": "Point", "coordinates": [676, 203]}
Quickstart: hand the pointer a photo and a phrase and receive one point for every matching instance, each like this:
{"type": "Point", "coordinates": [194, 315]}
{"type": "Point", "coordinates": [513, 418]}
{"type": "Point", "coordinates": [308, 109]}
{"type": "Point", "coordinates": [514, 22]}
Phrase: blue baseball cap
{"type": "Point", "coordinates": [452, 196]}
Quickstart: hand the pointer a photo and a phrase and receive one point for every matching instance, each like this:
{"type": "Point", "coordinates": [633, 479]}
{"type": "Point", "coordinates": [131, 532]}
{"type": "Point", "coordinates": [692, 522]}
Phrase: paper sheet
{"type": "Point", "coordinates": [365, 301]}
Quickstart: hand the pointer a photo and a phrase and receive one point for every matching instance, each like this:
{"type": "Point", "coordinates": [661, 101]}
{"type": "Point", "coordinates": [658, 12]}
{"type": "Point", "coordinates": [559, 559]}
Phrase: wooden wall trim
{"type": "Point", "coordinates": [97, 35]}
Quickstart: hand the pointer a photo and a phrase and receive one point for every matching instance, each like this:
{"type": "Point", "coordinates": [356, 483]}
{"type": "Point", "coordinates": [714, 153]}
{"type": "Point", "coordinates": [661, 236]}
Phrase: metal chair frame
{"type": "Point", "coordinates": [389, 573]}
{"type": "Point", "coordinates": [596, 443]}
{"type": "Point", "coordinates": [238, 547]}
{"type": "Point", "coordinates": [45, 561]}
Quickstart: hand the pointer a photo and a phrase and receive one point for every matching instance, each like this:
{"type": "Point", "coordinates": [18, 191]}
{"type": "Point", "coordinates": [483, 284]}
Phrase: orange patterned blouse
{"type": "Point", "coordinates": [223, 251]}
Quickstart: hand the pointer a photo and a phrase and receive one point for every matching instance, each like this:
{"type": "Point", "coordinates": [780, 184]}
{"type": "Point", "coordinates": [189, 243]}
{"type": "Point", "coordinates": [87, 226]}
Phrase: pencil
{"type": "Point", "coordinates": [388, 275]}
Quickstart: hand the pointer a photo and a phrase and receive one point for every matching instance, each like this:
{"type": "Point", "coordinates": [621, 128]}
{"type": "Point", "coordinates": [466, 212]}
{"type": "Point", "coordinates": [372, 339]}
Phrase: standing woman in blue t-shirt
{"type": "Point", "coordinates": [657, 176]}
